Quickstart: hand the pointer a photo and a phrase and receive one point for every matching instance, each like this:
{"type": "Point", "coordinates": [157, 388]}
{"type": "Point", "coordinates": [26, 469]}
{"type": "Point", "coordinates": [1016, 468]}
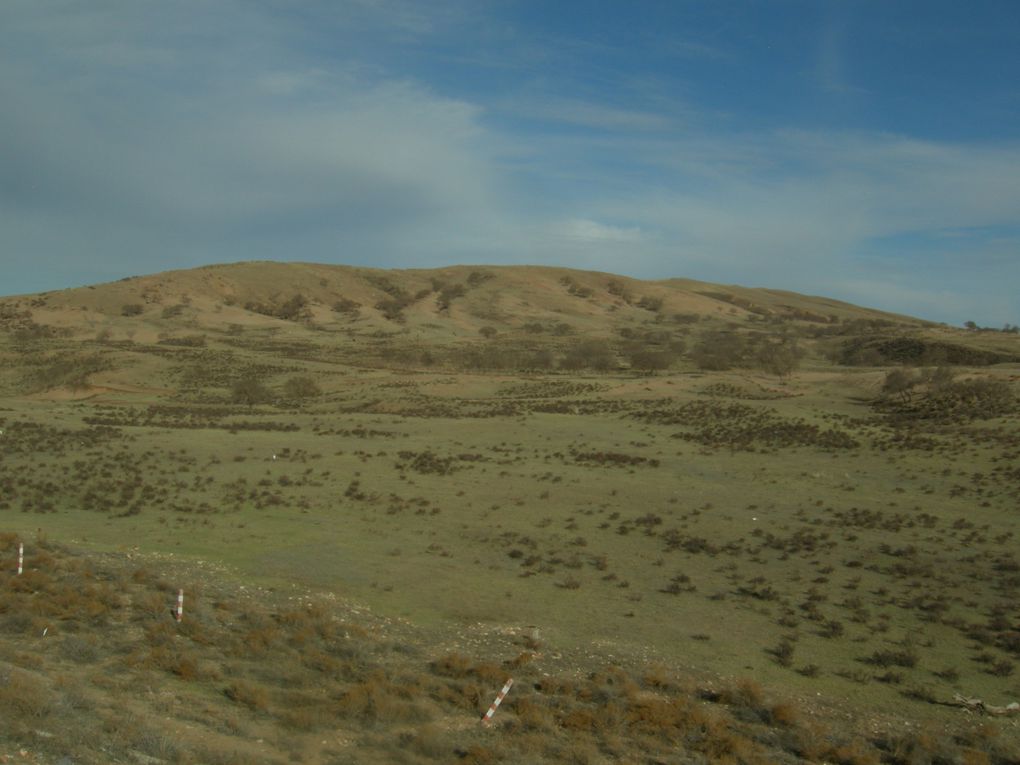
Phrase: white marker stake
{"type": "Point", "coordinates": [180, 605]}
{"type": "Point", "coordinates": [487, 717]}
{"type": "Point", "coordinates": [21, 557]}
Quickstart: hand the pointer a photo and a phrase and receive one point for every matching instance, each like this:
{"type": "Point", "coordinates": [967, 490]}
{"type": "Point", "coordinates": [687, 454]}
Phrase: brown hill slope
{"type": "Point", "coordinates": [462, 317]}
{"type": "Point", "coordinates": [458, 297]}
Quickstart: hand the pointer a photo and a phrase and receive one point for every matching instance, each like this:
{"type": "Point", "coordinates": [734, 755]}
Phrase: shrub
{"type": "Point", "coordinates": [589, 354]}
{"type": "Point", "coordinates": [899, 382]}
{"type": "Point", "coordinates": [294, 308]}
{"type": "Point", "coordinates": [23, 696]}
{"type": "Point", "coordinates": [783, 653]}
{"type": "Point", "coordinates": [346, 306]}
{"type": "Point", "coordinates": [476, 278]}
{"type": "Point", "coordinates": [69, 370]}
{"type": "Point", "coordinates": [778, 356]}
{"type": "Point", "coordinates": [249, 391]}
{"type": "Point", "coordinates": [746, 694]}
{"type": "Point", "coordinates": [252, 696]}
{"type": "Point", "coordinates": [784, 714]}
{"type": "Point", "coordinates": [620, 290]}
{"type": "Point", "coordinates": [186, 341]}
{"type": "Point", "coordinates": [649, 303]}
{"type": "Point", "coordinates": [718, 351]}
{"type": "Point", "coordinates": [650, 360]}
{"type": "Point", "coordinates": [892, 658]}
{"type": "Point", "coordinates": [301, 387]}
{"type": "Point", "coordinates": [79, 649]}
{"type": "Point", "coordinates": [448, 294]}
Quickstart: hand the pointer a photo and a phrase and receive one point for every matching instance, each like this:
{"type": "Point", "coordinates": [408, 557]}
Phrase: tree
{"type": "Point", "coordinates": [294, 308]}
{"type": "Point", "coordinates": [718, 351]}
{"type": "Point", "coordinates": [249, 391]}
{"type": "Point", "coordinates": [617, 288]}
{"type": "Point", "coordinates": [649, 303]}
{"type": "Point", "coordinates": [476, 278]}
{"type": "Point", "coordinates": [899, 382]}
{"type": "Point", "coordinates": [447, 294]}
{"type": "Point", "coordinates": [346, 305]}
{"type": "Point", "coordinates": [589, 354]}
{"type": "Point", "coordinates": [301, 387]}
{"type": "Point", "coordinates": [540, 359]}
{"type": "Point", "coordinates": [778, 356]}
{"type": "Point", "coordinates": [939, 378]}
{"type": "Point", "coordinates": [649, 359]}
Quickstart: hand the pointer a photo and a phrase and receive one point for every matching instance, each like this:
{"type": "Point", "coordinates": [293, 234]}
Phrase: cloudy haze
{"type": "Point", "coordinates": [863, 150]}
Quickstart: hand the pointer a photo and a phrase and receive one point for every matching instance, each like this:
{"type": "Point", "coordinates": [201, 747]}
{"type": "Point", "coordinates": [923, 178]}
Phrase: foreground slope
{"type": "Point", "coordinates": [94, 667]}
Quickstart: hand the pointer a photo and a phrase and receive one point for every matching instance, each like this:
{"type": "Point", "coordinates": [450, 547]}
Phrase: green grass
{"type": "Point", "coordinates": [523, 525]}
{"type": "Point", "coordinates": [721, 525]}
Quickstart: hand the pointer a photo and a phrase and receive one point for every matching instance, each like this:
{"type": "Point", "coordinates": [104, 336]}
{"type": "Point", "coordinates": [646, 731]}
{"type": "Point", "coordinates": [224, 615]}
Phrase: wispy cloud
{"type": "Point", "coordinates": [264, 152]}
{"type": "Point", "coordinates": [584, 231]}
{"type": "Point", "coordinates": [588, 114]}
{"type": "Point", "coordinates": [831, 69]}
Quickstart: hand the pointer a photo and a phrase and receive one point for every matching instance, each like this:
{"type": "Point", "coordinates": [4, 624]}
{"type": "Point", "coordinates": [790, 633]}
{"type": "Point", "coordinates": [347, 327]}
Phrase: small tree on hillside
{"type": "Point", "coordinates": [447, 294]}
{"type": "Point", "coordinates": [249, 391]}
{"type": "Point", "coordinates": [301, 386]}
{"type": "Point", "coordinates": [589, 354]}
{"type": "Point", "coordinates": [347, 306]}
{"type": "Point", "coordinates": [939, 378]}
{"type": "Point", "coordinates": [650, 359]}
{"type": "Point", "coordinates": [650, 303]}
{"type": "Point", "coordinates": [899, 382]}
{"type": "Point", "coordinates": [294, 308]}
{"type": "Point", "coordinates": [718, 351]}
{"type": "Point", "coordinates": [779, 356]}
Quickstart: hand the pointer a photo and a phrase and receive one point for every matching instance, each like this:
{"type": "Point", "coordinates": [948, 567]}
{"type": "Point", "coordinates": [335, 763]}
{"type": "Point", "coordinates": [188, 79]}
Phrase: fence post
{"type": "Point", "coordinates": [487, 717]}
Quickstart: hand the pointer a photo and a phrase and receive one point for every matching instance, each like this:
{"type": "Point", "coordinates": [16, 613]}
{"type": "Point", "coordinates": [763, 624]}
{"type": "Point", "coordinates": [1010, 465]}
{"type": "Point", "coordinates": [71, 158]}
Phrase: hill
{"type": "Point", "coordinates": [710, 502]}
{"type": "Point", "coordinates": [458, 318]}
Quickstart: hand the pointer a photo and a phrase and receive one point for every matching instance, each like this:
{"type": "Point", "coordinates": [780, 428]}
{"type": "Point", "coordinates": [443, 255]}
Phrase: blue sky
{"type": "Point", "coordinates": [867, 150]}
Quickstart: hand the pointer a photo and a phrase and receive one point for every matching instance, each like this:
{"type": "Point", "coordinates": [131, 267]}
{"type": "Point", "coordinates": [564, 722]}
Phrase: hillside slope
{"type": "Point", "coordinates": [462, 297]}
{"type": "Point", "coordinates": [140, 330]}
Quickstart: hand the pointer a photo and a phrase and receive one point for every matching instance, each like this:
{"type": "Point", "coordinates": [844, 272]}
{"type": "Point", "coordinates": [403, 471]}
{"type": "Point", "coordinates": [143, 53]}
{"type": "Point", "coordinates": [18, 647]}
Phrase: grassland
{"type": "Point", "coordinates": [687, 536]}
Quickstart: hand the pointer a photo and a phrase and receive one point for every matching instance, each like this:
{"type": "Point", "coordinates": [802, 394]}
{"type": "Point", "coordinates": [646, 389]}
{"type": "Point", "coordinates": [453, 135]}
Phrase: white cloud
{"type": "Point", "coordinates": [264, 157]}
{"type": "Point", "coordinates": [586, 231]}
{"type": "Point", "coordinates": [816, 194]}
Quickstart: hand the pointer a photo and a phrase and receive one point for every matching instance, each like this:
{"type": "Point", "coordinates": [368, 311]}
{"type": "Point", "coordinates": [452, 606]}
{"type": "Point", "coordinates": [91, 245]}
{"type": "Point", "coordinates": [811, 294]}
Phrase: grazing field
{"type": "Point", "coordinates": [657, 545]}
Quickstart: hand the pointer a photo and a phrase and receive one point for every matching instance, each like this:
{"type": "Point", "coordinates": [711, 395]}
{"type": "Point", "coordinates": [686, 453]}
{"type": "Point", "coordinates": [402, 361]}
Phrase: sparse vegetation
{"type": "Point", "coordinates": [294, 308]}
{"type": "Point", "coordinates": [673, 512]}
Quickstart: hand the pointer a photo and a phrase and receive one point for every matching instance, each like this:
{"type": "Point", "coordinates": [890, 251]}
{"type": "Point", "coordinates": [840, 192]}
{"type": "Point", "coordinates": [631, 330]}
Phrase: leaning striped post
{"type": "Point", "coordinates": [487, 717]}
{"type": "Point", "coordinates": [180, 604]}
{"type": "Point", "coordinates": [21, 557]}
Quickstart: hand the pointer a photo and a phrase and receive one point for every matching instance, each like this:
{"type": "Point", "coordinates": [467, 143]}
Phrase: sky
{"type": "Point", "coordinates": [867, 150]}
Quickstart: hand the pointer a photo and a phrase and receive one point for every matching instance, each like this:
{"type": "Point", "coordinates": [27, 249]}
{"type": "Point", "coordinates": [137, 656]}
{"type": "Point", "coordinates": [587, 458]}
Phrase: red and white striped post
{"type": "Point", "coordinates": [487, 717]}
{"type": "Point", "coordinates": [21, 557]}
{"type": "Point", "coordinates": [180, 605]}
